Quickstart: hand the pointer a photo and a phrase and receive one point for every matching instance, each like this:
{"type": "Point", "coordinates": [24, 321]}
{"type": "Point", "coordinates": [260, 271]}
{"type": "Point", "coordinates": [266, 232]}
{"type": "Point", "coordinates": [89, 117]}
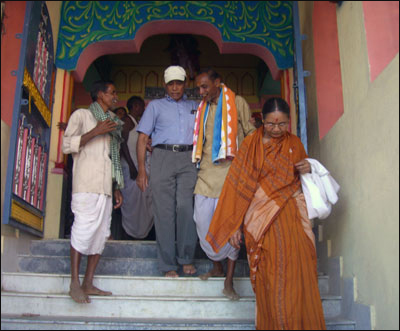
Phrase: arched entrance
{"type": "Point", "coordinates": [259, 29]}
{"type": "Point", "coordinates": [134, 73]}
{"type": "Point", "coordinates": [95, 50]}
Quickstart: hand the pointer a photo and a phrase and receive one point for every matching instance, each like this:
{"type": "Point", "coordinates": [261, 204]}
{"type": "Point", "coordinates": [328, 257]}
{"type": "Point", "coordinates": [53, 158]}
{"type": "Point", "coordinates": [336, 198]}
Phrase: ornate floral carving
{"type": "Point", "coordinates": [266, 23]}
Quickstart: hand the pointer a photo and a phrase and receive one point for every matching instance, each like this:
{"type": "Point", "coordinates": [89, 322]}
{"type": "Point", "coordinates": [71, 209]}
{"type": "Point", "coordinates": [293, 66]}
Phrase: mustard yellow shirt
{"type": "Point", "coordinates": [211, 177]}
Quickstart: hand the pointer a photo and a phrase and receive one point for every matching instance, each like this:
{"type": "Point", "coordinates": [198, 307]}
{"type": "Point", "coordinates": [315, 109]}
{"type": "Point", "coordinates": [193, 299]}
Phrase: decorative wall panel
{"type": "Point", "coordinates": [25, 193]}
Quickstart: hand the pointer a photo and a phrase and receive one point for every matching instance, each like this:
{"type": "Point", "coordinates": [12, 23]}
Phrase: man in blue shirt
{"type": "Point", "coordinates": [170, 122]}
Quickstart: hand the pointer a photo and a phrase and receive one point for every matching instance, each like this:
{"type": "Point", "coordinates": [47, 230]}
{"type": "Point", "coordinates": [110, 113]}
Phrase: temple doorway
{"type": "Point", "coordinates": [141, 74]}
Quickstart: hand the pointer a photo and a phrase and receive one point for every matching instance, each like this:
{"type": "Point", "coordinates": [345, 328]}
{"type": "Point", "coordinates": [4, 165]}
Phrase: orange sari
{"type": "Point", "coordinates": [263, 192]}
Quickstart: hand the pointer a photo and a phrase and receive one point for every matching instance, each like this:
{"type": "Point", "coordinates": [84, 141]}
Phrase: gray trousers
{"type": "Point", "coordinates": [172, 180]}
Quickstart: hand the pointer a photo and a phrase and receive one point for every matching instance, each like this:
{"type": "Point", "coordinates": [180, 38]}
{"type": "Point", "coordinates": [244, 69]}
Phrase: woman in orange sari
{"type": "Point", "coordinates": [262, 199]}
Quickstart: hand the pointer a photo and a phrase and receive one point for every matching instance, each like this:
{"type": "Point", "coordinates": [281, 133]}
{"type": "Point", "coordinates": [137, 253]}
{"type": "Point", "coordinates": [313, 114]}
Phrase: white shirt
{"type": "Point", "coordinates": [92, 162]}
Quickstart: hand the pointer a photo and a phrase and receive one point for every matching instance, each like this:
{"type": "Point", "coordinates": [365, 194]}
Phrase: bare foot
{"type": "Point", "coordinates": [189, 269]}
{"type": "Point", "coordinates": [171, 274]}
{"type": "Point", "coordinates": [231, 294]}
{"type": "Point", "coordinates": [92, 290]}
{"type": "Point", "coordinates": [213, 273]}
{"type": "Point", "coordinates": [77, 294]}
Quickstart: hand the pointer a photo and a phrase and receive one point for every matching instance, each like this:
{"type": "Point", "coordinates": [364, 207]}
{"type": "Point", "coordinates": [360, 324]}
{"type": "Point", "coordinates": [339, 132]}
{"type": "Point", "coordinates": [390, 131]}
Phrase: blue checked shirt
{"type": "Point", "coordinates": [169, 121]}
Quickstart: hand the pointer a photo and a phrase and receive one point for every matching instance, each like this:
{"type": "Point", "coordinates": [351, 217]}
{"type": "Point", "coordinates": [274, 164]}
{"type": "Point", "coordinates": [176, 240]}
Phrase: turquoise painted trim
{"type": "Point", "coordinates": [265, 23]}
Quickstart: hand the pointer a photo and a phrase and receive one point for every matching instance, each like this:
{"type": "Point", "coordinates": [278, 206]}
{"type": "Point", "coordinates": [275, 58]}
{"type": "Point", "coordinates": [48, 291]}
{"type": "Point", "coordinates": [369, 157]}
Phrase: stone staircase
{"type": "Point", "coordinates": [35, 298]}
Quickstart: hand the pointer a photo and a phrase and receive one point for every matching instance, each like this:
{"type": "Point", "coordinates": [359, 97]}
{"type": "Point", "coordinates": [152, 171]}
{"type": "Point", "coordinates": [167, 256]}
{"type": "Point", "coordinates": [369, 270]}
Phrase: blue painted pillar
{"type": "Point", "coordinates": [300, 96]}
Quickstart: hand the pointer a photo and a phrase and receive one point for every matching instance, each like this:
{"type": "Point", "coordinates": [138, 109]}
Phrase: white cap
{"type": "Point", "coordinates": [174, 73]}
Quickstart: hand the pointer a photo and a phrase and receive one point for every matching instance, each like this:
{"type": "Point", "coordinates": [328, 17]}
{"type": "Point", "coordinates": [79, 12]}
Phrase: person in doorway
{"type": "Point", "coordinates": [69, 215]}
{"type": "Point", "coordinates": [120, 112]}
{"type": "Point", "coordinates": [222, 121]}
{"type": "Point", "coordinates": [257, 122]}
{"type": "Point", "coordinates": [93, 137]}
{"type": "Point", "coordinates": [170, 122]}
{"type": "Point", "coordinates": [262, 198]}
{"type": "Point", "coordinates": [137, 214]}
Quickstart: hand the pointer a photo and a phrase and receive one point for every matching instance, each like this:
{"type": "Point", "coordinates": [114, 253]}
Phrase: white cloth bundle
{"type": "Point", "coordinates": [320, 190]}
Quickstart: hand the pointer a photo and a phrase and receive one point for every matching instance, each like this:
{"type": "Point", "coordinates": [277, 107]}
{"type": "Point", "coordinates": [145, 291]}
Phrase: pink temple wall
{"type": "Point", "coordinates": [381, 20]}
{"type": "Point", "coordinates": [13, 22]}
{"type": "Point", "coordinates": [327, 66]}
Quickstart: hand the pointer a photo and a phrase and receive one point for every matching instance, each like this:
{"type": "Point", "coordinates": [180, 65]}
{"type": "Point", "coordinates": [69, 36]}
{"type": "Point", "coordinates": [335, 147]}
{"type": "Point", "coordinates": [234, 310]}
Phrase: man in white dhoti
{"type": "Point", "coordinates": [136, 210]}
{"type": "Point", "coordinates": [93, 137]}
{"type": "Point", "coordinates": [214, 161]}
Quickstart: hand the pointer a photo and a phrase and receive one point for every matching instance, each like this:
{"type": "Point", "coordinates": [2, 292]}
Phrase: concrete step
{"type": "Point", "coordinates": [142, 299]}
{"type": "Point", "coordinates": [132, 285]}
{"type": "Point", "coordinates": [113, 248]}
{"type": "Point", "coordinates": [339, 323]}
{"type": "Point", "coordinates": [12, 322]}
{"type": "Point", "coordinates": [165, 307]}
{"type": "Point", "coordinates": [128, 267]}
{"type": "Point", "coordinates": [114, 266]}
{"type": "Point", "coordinates": [125, 285]}
{"type": "Point", "coordinates": [135, 258]}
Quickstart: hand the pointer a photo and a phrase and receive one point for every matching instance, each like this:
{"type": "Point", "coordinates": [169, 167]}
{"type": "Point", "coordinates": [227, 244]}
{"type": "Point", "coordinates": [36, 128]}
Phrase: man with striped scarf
{"type": "Point", "coordinates": [93, 137]}
{"type": "Point", "coordinates": [222, 122]}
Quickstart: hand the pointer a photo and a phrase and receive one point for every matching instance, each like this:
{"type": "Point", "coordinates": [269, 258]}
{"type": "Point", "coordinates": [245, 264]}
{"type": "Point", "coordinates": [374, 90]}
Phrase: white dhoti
{"type": "Point", "coordinates": [91, 227]}
{"type": "Point", "coordinates": [203, 212]}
